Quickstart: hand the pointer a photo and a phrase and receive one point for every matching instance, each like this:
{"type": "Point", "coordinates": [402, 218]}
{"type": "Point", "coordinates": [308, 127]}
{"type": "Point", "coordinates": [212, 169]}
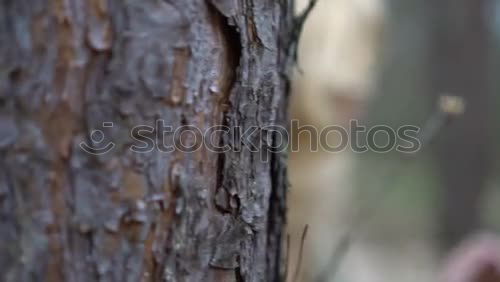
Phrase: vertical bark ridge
{"type": "Point", "coordinates": [69, 68]}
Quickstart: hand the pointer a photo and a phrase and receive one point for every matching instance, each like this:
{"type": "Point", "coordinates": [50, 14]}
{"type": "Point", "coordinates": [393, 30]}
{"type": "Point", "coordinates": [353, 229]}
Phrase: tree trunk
{"type": "Point", "coordinates": [69, 68]}
{"type": "Point", "coordinates": [460, 56]}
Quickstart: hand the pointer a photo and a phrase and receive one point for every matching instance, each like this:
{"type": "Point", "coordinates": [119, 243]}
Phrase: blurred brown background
{"type": "Point", "coordinates": [388, 62]}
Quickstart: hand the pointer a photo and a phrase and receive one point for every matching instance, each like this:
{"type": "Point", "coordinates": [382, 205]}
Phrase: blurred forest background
{"type": "Point", "coordinates": [388, 62]}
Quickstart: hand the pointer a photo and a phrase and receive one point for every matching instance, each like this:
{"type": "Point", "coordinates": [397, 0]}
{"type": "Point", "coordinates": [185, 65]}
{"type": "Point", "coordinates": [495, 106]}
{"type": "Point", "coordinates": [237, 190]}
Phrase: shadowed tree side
{"type": "Point", "coordinates": [68, 67]}
{"type": "Point", "coordinates": [460, 66]}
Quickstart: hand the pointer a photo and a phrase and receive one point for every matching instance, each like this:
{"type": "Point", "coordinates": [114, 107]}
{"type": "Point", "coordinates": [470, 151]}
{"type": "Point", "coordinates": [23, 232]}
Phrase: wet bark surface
{"type": "Point", "coordinates": [69, 66]}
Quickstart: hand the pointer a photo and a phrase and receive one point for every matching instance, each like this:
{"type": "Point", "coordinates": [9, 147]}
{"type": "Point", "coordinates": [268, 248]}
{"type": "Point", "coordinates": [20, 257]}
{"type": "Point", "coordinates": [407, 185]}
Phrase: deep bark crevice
{"type": "Point", "coordinates": [69, 67]}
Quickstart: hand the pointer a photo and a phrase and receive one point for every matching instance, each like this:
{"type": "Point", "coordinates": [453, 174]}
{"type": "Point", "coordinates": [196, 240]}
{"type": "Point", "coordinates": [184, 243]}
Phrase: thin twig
{"type": "Point", "coordinates": [301, 253]}
{"type": "Point", "coordinates": [296, 31]}
{"type": "Point", "coordinates": [448, 107]}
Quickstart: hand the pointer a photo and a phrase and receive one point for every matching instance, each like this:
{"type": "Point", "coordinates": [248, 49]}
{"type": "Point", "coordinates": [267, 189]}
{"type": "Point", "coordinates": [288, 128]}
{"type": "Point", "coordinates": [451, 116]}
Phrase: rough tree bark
{"type": "Point", "coordinates": [68, 66]}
